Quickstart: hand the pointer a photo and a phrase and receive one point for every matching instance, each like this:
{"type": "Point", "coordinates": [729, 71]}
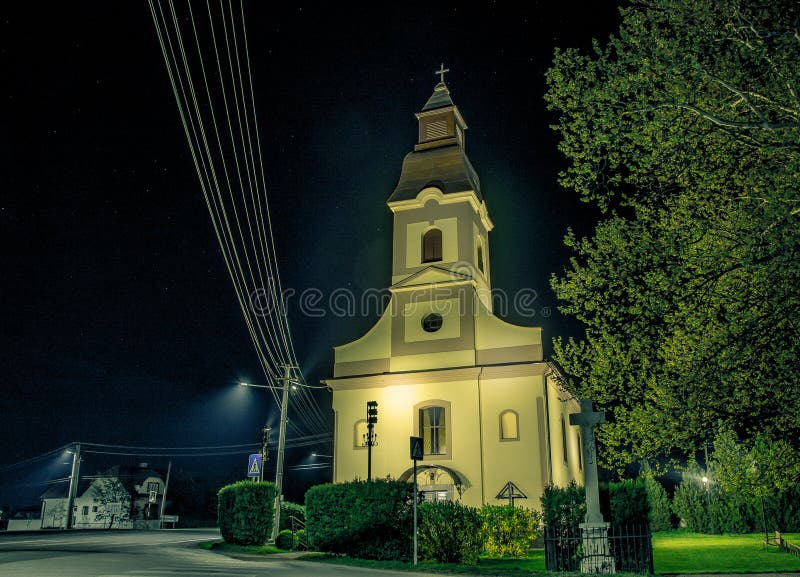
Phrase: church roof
{"type": "Point", "coordinates": [447, 168]}
{"type": "Point", "coordinates": [439, 99]}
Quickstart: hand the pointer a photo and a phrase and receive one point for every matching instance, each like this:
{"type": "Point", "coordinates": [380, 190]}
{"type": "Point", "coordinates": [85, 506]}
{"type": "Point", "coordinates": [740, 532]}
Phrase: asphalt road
{"type": "Point", "coordinates": [165, 553]}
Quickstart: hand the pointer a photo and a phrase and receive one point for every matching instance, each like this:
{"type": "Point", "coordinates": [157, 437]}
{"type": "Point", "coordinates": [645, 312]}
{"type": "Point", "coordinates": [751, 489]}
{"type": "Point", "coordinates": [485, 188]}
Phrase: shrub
{"type": "Point", "coordinates": [660, 511]}
{"type": "Point", "coordinates": [301, 541]}
{"type": "Point", "coordinates": [449, 532]}
{"type": "Point", "coordinates": [564, 506]}
{"type": "Point", "coordinates": [628, 503]}
{"type": "Point", "coordinates": [714, 510]}
{"type": "Point", "coordinates": [245, 512]}
{"type": "Point", "coordinates": [289, 510]}
{"type": "Point", "coordinates": [366, 519]}
{"type": "Point", "coordinates": [509, 530]}
{"type": "Point", "coordinates": [285, 540]}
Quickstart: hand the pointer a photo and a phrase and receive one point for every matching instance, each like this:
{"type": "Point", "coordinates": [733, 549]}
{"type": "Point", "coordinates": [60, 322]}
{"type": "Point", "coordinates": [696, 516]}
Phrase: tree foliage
{"type": "Point", "coordinates": [684, 129]}
{"type": "Point", "coordinates": [114, 501]}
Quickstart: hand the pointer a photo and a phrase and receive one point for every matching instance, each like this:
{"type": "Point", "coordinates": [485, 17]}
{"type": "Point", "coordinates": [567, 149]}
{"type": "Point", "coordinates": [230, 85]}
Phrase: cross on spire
{"type": "Point", "coordinates": [441, 72]}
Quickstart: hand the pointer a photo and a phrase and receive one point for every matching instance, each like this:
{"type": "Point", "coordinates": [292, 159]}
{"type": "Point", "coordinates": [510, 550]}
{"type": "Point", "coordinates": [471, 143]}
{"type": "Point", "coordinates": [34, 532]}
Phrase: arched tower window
{"type": "Point", "coordinates": [480, 257]}
{"type": "Point", "coordinates": [509, 425]}
{"type": "Point", "coordinates": [564, 440]}
{"type": "Point", "coordinates": [360, 434]}
{"type": "Point", "coordinates": [432, 245]}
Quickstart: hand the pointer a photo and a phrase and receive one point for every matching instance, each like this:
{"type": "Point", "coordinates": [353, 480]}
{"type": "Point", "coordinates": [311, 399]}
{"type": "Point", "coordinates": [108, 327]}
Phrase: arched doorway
{"type": "Point", "coordinates": [436, 482]}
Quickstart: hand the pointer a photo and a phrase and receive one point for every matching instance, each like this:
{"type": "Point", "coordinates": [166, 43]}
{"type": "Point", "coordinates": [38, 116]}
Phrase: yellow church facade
{"type": "Point", "coordinates": [440, 365]}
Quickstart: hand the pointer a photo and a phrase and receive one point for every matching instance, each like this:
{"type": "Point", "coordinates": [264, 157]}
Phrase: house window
{"type": "Point", "coordinates": [94, 508]}
{"type": "Point", "coordinates": [152, 486]}
{"type": "Point", "coordinates": [432, 245]}
{"type": "Point", "coordinates": [564, 440]}
{"type": "Point", "coordinates": [509, 426]}
{"type": "Point", "coordinates": [480, 257]}
{"type": "Point", "coordinates": [360, 434]}
{"type": "Point", "coordinates": [580, 451]}
{"type": "Point", "coordinates": [433, 430]}
{"type": "Point", "coordinates": [85, 510]}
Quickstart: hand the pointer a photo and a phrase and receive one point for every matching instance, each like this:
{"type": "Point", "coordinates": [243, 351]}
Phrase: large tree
{"type": "Point", "coordinates": [684, 129]}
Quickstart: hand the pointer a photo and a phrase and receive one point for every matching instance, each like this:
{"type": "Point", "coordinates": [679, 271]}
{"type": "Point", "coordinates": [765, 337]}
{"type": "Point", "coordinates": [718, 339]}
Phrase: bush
{"type": "Point", "coordinates": [712, 510]}
{"type": "Point", "coordinates": [509, 530]}
{"type": "Point", "coordinates": [289, 510]}
{"type": "Point", "coordinates": [301, 540]}
{"type": "Point", "coordinates": [365, 519]}
{"type": "Point", "coordinates": [245, 512]}
{"type": "Point", "coordinates": [285, 540]}
{"type": "Point", "coordinates": [628, 503]}
{"type": "Point", "coordinates": [564, 506]}
{"type": "Point", "coordinates": [660, 511]}
{"type": "Point", "coordinates": [449, 532]}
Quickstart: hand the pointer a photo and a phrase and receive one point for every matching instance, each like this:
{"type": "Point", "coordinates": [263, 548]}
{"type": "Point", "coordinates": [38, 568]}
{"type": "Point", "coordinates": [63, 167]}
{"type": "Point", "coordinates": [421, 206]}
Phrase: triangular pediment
{"type": "Point", "coordinates": [432, 275]}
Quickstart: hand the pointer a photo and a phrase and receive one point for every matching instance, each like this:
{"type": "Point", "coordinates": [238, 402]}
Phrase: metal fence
{"type": "Point", "coordinates": [627, 548]}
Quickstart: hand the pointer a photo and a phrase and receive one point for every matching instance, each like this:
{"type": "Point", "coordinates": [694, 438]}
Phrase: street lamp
{"type": "Point", "coordinates": [287, 382]}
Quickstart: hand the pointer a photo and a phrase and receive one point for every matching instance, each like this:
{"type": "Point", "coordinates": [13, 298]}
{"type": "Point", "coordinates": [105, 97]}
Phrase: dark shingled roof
{"type": "Point", "coordinates": [439, 99]}
{"type": "Point", "coordinates": [447, 168]}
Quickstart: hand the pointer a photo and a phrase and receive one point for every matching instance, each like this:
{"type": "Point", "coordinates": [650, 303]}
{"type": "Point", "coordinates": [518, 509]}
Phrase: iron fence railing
{"type": "Point", "coordinates": [627, 548]}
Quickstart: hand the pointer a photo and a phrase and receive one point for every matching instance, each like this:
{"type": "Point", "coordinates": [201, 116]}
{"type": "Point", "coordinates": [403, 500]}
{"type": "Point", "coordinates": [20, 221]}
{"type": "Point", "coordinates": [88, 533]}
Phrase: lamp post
{"type": "Point", "coordinates": [74, 478]}
{"type": "Point", "coordinates": [287, 379]}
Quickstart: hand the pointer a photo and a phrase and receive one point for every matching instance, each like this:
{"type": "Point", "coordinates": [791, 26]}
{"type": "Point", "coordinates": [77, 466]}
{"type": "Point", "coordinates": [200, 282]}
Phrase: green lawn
{"type": "Point", "coordinates": [675, 552]}
{"type": "Point", "coordinates": [680, 552]}
{"type": "Point", "coordinates": [527, 566]}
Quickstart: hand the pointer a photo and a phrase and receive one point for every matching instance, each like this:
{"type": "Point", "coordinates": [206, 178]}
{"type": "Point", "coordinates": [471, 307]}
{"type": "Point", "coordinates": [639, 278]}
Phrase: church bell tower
{"type": "Point", "coordinates": [440, 217]}
{"type": "Point", "coordinates": [439, 364]}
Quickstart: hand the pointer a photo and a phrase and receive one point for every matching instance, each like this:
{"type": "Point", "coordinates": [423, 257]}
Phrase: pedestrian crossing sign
{"type": "Point", "coordinates": [254, 465]}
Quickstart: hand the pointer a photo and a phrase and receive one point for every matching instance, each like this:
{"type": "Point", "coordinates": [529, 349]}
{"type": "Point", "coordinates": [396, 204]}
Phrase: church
{"type": "Point", "coordinates": [492, 416]}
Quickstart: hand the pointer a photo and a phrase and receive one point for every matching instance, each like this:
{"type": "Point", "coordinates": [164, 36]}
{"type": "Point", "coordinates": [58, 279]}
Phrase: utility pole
{"type": "Point", "coordinates": [164, 498]}
{"type": "Point", "coordinates": [372, 418]}
{"type": "Point", "coordinates": [74, 478]}
{"type": "Point", "coordinates": [287, 377]}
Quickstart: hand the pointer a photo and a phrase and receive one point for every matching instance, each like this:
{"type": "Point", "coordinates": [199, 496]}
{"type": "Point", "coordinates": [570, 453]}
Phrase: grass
{"type": "Point", "coordinates": [230, 548]}
{"type": "Point", "coordinates": [513, 567]}
{"type": "Point", "coordinates": [683, 552]}
{"type": "Point", "coordinates": [674, 552]}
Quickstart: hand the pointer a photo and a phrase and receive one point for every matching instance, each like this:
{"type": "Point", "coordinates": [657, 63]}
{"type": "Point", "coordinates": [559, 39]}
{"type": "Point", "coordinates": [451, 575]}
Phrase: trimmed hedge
{"type": "Point", "coordinates": [627, 504]}
{"type": "Point", "coordinates": [245, 512]}
{"type": "Point", "coordinates": [365, 519]}
{"type": "Point", "coordinates": [509, 530]}
{"type": "Point", "coordinates": [564, 506]}
{"type": "Point", "coordinates": [623, 503]}
{"type": "Point", "coordinates": [449, 532]}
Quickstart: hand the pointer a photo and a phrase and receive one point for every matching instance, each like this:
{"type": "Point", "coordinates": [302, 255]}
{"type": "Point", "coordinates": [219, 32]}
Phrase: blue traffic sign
{"type": "Point", "coordinates": [254, 465]}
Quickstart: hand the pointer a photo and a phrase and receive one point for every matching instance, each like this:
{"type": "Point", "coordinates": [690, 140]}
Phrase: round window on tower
{"type": "Point", "coordinates": [432, 323]}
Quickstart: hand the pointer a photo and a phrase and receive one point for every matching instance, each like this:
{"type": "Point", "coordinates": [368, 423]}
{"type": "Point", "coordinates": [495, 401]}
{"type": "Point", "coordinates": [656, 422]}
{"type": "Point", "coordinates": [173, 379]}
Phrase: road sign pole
{"type": "Point", "coordinates": [416, 455]}
{"type": "Point", "coordinates": [415, 512]}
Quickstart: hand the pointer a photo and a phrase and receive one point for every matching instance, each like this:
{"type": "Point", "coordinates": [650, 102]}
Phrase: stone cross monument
{"type": "Point", "coordinates": [594, 531]}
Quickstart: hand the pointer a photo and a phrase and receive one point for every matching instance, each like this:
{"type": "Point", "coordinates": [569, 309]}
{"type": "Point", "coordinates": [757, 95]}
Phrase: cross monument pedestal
{"type": "Point", "coordinates": [597, 556]}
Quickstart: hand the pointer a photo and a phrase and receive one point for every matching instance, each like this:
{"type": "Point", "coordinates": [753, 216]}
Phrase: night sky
{"type": "Point", "coordinates": [119, 322]}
